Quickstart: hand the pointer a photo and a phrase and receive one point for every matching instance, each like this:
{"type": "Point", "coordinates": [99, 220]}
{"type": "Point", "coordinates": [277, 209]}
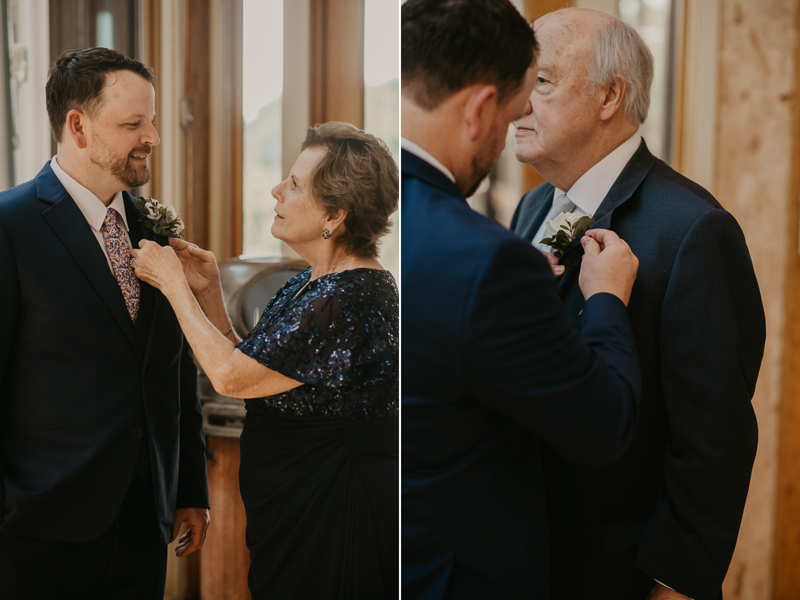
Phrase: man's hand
{"type": "Point", "coordinates": [552, 260]}
{"type": "Point", "coordinates": [195, 536]}
{"type": "Point", "coordinates": [199, 266]}
{"type": "Point", "coordinates": [608, 265]}
{"type": "Point", "coordinates": [662, 592]}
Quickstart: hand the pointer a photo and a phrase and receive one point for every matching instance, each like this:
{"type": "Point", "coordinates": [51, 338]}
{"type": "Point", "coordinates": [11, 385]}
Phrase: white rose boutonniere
{"type": "Point", "coordinates": [565, 228]}
{"type": "Point", "coordinates": [161, 219]}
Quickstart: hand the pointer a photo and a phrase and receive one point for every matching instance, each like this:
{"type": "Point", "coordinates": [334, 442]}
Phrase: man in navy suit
{"type": "Point", "coordinates": [487, 355]}
{"type": "Point", "coordinates": [661, 521]}
{"type": "Point", "coordinates": [102, 453]}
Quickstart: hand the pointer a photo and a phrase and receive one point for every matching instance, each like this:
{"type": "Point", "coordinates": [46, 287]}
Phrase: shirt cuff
{"type": "Point", "coordinates": [666, 586]}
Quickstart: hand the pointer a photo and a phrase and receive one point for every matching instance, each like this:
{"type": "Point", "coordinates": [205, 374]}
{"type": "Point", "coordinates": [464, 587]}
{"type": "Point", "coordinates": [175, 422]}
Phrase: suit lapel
{"type": "Point", "coordinates": [538, 214]}
{"type": "Point", "coordinates": [626, 184]}
{"type": "Point", "coordinates": [69, 224]}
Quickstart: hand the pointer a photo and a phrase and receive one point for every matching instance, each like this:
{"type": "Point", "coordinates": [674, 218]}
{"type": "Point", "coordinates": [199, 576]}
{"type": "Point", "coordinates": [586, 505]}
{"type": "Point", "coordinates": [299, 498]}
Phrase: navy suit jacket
{"type": "Point", "coordinates": [86, 396]}
{"type": "Point", "coordinates": [671, 506]}
{"type": "Point", "coordinates": [487, 358]}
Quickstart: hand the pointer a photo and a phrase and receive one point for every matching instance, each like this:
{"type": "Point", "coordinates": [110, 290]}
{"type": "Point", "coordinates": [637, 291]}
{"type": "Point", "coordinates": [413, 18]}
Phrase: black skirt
{"type": "Point", "coordinates": [321, 498]}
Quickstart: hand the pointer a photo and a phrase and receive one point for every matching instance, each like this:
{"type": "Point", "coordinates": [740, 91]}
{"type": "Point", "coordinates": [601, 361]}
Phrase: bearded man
{"type": "Point", "coordinates": [102, 453]}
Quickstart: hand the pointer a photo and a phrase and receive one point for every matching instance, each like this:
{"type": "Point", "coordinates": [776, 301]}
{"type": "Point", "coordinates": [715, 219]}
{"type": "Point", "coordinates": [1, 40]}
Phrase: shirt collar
{"type": "Point", "coordinates": [429, 158]}
{"type": "Point", "coordinates": [591, 188]}
{"type": "Point", "coordinates": [90, 205]}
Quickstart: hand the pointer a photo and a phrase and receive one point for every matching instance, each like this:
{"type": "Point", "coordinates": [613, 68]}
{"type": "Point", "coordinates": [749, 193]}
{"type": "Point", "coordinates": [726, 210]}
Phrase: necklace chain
{"type": "Point", "coordinates": [305, 285]}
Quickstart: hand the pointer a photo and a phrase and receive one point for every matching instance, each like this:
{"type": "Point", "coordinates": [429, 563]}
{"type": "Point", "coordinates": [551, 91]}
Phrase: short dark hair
{"type": "Point", "coordinates": [357, 174]}
{"type": "Point", "coordinates": [77, 78]}
{"type": "Point", "coordinates": [448, 45]}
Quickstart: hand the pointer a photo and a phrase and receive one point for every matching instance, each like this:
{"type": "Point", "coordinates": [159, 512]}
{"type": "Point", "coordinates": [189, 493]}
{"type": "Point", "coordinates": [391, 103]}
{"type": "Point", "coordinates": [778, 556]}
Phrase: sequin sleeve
{"type": "Point", "coordinates": [313, 339]}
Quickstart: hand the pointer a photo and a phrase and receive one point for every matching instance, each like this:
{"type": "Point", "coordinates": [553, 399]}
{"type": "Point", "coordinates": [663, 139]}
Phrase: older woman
{"type": "Point", "coordinates": [319, 375]}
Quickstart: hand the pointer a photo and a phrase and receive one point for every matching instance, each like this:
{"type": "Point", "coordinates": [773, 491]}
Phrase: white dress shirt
{"type": "Point", "coordinates": [588, 193]}
{"type": "Point", "coordinates": [429, 158]}
{"type": "Point", "coordinates": [92, 207]}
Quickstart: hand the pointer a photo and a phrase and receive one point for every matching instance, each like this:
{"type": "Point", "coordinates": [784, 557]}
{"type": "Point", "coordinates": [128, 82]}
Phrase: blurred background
{"type": "Point", "coordinates": [724, 112]}
{"type": "Point", "coordinates": [238, 82]}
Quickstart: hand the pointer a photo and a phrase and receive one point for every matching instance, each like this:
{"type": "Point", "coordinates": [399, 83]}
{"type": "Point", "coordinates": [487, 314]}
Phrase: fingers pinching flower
{"type": "Point", "coordinates": [155, 264]}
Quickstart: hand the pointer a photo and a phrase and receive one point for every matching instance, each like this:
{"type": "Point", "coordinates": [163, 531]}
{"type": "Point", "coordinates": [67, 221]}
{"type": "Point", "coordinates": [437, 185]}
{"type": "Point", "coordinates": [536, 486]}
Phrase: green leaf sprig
{"type": "Point", "coordinates": [566, 232]}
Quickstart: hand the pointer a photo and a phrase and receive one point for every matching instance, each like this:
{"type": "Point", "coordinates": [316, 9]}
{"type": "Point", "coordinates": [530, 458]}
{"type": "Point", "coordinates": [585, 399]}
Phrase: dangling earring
{"type": "Point", "coordinates": [326, 234]}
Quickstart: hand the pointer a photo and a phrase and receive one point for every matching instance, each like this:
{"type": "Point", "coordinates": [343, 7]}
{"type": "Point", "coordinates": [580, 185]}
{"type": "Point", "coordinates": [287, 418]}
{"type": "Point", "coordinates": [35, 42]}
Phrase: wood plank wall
{"type": "Point", "coordinates": [337, 61]}
{"type": "Point", "coordinates": [787, 542]}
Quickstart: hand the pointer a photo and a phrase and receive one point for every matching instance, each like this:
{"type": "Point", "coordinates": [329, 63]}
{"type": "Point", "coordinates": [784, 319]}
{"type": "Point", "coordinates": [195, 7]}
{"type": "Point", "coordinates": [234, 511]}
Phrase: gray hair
{"type": "Point", "coordinates": [620, 50]}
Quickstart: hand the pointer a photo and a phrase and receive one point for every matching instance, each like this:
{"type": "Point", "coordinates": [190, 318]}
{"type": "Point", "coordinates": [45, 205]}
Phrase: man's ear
{"type": "Point", "coordinates": [75, 127]}
{"type": "Point", "coordinates": [613, 94]}
{"type": "Point", "coordinates": [480, 109]}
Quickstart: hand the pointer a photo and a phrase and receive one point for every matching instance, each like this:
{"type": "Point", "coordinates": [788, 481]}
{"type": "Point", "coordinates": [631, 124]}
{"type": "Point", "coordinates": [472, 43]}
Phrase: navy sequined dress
{"type": "Point", "coordinates": [319, 471]}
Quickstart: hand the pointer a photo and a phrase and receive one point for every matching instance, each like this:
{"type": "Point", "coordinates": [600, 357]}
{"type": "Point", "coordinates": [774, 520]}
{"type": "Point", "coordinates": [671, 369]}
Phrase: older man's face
{"type": "Point", "coordinates": [562, 113]}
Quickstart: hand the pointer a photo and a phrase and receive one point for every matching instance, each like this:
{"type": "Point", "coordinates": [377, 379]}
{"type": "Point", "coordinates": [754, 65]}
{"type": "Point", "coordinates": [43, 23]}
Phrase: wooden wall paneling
{"type": "Point", "coordinates": [337, 61]}
{"type": "Point", "coordinates": [237, 132]}
{"type": "Point", "coordinates": [787, 542]}
{"type": "Point", "coordinates": [70, 26]}
{"type": "Point", "coordinates": [226, 127]}
{"type": "Point", "coordinates": [225, 559]}
{"type": "Point", "coordinates": [679, 41]}
{"type": "Point", "coordinates": [317, 73]}
{"type": "Point", "coordinates": [198, 30]}
{"type": "Point", "coordinates": [152, 57]}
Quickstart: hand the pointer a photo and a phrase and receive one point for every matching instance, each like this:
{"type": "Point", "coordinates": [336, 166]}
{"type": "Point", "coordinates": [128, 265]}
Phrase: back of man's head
{"type": "Point", "coordinates": [449, 45]}
{"type": "Point", "coordinates": [76, 81]}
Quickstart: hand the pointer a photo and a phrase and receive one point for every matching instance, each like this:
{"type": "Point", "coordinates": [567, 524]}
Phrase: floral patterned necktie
{"type": "Point", "coordinates": [119, 253]}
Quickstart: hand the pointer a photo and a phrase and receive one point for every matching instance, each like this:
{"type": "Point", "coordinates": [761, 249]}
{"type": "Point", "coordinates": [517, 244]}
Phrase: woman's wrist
{"type": "Point", "coordinates": [213, 306]}
{"type": "Point", "coordinates": [174, 287]}
{"type": "Point", "coordinates": [212, 296]}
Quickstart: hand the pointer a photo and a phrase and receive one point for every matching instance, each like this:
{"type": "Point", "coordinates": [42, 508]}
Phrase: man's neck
{"type": "Point", "coordinates": [84, 176]}
{"type": "Point", "coordinates": [435, 132]}
{"type": "Point", "coordinates": [564, 173]}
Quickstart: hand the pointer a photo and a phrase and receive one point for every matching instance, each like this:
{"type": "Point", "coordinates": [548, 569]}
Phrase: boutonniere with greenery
{"type": "Point", "coordinates": [562, 230]}
{"type": "Point", "coordinates": [161, 219]}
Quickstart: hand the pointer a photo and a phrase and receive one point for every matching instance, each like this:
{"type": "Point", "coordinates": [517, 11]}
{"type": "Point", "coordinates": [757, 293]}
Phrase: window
{"type": "Point", "coordinates": [653, 20]}
{"type": "Point", "coordinates": [262, 112]}
{"type": "Point", "coordinates": [381, 98]}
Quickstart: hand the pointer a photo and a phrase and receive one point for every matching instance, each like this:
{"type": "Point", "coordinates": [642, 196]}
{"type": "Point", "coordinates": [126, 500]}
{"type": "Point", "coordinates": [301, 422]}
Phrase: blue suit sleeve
{"type": "Point", "coordinates": [9, 309]}
{"type": "Point", "coordinates": [712, 335]}
{"type": "Point", "coordinates": [192, 475]}
{"type": "Point", "coordinates": [578, 393]}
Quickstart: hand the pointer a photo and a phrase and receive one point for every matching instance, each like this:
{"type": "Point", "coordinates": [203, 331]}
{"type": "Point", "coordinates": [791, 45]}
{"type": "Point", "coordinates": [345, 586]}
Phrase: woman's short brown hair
{"type": "Point", "coordinates": [359, 175]}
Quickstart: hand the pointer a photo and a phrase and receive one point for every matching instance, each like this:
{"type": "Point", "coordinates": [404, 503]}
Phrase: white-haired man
{"type": "Point", "coordinates": [662, 521]}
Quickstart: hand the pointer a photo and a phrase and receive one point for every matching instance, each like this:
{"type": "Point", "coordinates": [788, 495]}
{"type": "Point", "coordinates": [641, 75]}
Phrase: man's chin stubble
{"type": "Point", "coordinates": [132, 178]}
{"type": "Point", "coordinates": [476, 185]}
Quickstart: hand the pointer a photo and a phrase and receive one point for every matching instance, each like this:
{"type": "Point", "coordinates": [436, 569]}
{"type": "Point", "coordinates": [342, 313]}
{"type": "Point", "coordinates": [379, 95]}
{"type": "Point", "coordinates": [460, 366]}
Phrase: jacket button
{"type": "Point", "coordinates": [136, 433]}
